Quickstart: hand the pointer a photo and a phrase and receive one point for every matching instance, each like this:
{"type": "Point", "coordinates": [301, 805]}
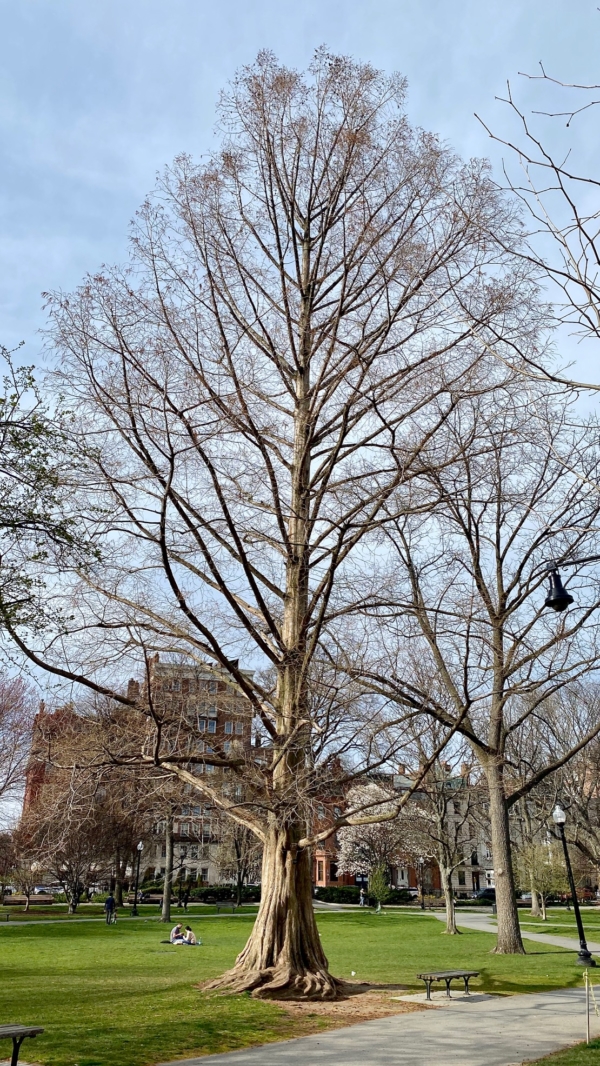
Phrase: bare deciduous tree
{"type": "Point", "coordinates": [17, 712]}
{"type": "Point", "coordinates": [301, 315]}
{"type": "Point", "coordinates": [465, 635]}
{"type": "Point", "coordinates": [560, 200]}
{"type": "Point", "coordinates": [239, 855]}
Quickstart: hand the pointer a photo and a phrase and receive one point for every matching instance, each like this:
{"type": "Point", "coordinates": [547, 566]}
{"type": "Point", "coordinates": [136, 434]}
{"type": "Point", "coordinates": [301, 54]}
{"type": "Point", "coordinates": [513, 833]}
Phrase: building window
{"type": "Point", "coordinates": [193, 874]}
{"type": "Point", "coordinates": [184, 830]}
{"type": "Point", "coordinates": [176, 686]}
{"type": "Point", "coordinates": [320, 869]}
{"type": "Point", "coordinates": [333, 874]}
{"type": "Point", "coordinates": [212, 727]}
{"type": "Point", "coordinates": [204, 873]}
{"type": "Point", "coordinates": [229, 727]}
{"type": "Point", "coordinates": [163, 851]}
{"type": "Point", "coordinates": [461, 877]}
{"type": "Point", "coordinates": [474, 859]}
{"type": "Point", "coordinates": [227, 746]}
{"type": "Point", "coordinates": [211, 711]}
{"type": "Point", "coordinates": [212, 686]}
{"type": "Point", "coordinates": [202, 725]}
{"type": "Point", "coordinates": [239, 728]}
{"type": "Point", "coordinates": [194, 852]}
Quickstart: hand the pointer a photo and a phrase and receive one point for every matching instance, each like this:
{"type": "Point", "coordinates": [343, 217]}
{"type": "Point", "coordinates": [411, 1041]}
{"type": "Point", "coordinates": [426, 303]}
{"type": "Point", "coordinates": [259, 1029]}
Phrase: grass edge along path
{"type": "Point", "coordinates": [116, 996]}
{"type": "Point", "coordinates": [578, 1055]}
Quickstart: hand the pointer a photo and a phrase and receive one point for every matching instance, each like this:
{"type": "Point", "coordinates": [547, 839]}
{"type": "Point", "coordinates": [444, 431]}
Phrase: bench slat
{"type": "Point", "coordinates": [8, 1031]}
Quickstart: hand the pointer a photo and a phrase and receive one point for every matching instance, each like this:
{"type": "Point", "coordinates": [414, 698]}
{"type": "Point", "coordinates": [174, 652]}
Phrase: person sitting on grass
{"type": "Point", "coordinates": [189, 936]}
{"type": "Point", "coordinates": [177, 936]}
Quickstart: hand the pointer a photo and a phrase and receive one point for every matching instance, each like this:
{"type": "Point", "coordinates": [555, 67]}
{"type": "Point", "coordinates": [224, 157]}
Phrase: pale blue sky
{"type": "Point", "coordinates": [97, 95]}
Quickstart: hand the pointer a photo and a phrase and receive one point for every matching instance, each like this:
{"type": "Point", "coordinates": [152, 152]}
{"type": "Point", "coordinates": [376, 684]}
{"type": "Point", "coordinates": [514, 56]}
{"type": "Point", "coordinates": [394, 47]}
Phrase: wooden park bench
{"type": "Point", "coordinates": [17, 1034]}
{"type": "Point", "coordinates": [228, 904]}
{"type": "Point", "coordinates": [448, 976]}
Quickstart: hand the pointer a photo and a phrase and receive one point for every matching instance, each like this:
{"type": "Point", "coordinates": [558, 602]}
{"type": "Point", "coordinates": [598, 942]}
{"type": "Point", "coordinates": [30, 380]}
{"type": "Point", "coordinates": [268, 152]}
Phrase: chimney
{"type": "Point", "coordinates": [465, 771]}
{"type": "Point", "coordinates": [133, 689]}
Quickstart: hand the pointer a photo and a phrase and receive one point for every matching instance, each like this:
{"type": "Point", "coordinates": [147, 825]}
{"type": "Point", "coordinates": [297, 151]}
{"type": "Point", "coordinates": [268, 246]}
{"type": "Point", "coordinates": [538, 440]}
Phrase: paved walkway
{"type": "Point", "coordinates": [495, 1031]}
{"type": "Point", "coordinates": [484, 924]}
{"type": "Point", "coordinates": [480, 1031]}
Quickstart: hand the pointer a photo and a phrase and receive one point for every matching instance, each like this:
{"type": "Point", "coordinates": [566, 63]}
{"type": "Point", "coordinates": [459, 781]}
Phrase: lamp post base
{"type": "Point", "coordinates": [585, 958]}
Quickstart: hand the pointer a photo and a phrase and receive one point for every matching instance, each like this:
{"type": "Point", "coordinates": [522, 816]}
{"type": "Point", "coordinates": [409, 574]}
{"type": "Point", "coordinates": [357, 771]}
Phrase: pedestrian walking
{"type": "Point", "coordinates": [361, 900]}
{"type": "Point", "coordinates": [186, 898]}
{"type": "Point", "coordinates": [110, 909]}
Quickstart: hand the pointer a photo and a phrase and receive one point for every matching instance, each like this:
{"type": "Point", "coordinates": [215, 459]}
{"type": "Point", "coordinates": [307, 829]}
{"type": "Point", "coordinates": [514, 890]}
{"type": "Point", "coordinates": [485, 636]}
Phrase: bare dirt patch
{"type": "Point", "coordinates": [362, 1003]}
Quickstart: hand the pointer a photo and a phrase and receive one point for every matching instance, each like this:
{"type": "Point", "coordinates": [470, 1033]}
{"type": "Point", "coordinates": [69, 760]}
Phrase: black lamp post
{"type": "Point", "coordinates": [584, 957]}
{"type": "Point", "coordinates": [558, 599]}
{"type": "Point", "coordinates": [140, 849]}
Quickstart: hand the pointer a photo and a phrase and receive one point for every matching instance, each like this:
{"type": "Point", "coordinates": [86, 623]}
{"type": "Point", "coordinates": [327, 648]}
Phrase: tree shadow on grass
{"type": "Point", "coordinates": [496, 983]}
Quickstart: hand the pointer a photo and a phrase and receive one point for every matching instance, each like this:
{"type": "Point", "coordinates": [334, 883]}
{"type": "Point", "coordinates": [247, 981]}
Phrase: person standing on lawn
{"type": "Point", "coordinates": [109, 908]}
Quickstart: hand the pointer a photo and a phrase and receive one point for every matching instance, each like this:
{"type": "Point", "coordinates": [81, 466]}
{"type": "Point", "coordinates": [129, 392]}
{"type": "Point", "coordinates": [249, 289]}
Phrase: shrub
{"type": "Point", "coordinates": [218, 893]}
{"type": "Point", "coordinates": [343, 894]}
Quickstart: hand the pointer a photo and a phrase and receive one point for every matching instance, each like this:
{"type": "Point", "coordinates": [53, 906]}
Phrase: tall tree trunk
{"type": "Point", "coordinates": [168, 885]}
{"type": "Point", "coordinates": [509, 940]}
{"type": "Point", "coordinates": [446, 876]}
{"type": "Point", "coordinates": [535, 900]}
{"type": "Point", "coordinates": [27, 902]}
{"type": "Point", "coordinates": [283, 958]}
{"type": "Point", "coordinates": [544, 914]}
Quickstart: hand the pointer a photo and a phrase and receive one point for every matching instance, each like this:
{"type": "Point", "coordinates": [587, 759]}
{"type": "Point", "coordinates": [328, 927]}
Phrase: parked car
{"type": "Point", "coordinates": [487, 893]}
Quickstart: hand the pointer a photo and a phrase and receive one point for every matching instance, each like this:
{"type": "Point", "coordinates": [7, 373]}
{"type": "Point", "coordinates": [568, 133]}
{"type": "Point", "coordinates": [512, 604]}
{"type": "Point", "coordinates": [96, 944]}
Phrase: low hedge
{"type": "Point", "coordinates": [350, 894]}
{"type": "Point", "coordinates": [218, 893]}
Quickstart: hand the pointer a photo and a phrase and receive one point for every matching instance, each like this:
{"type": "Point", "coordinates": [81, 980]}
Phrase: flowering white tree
{"type": "Point", "coordinates": [365, 848]}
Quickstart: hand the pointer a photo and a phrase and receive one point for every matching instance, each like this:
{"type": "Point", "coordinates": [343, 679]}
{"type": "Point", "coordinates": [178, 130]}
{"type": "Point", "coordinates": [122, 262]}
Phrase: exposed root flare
{"type": "Point", "coordinates": [280, 983]}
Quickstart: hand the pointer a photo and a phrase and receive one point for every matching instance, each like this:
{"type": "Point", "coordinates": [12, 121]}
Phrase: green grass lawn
{"type": "Point", "coordinates": [96, 910]}
{"type": "Point", "coordinates": [116, 996]}
{"type": "Point", "coordinates": [582, 1055]}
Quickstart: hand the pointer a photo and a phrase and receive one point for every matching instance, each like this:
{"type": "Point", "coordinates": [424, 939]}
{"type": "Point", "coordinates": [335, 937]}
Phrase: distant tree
{"type": "Point", "coordinates": [8, 861]}
{"type": "Point", "coordinates": [26, 875]}
{"type": "Point", "coordinates": [239, 856]}
{"type": "Point", "coordinates": [465, 636]}
{"type": "Point", "coordinates": [37, 522]}
{"type": "Point", "coordinates": [17, 711]}
{"type": "Point", "coordinates": [379, 885]}
{"type": "Point", "coordinates": [542, 866]}
{"type": "Point", "coordinates": [376, 846]}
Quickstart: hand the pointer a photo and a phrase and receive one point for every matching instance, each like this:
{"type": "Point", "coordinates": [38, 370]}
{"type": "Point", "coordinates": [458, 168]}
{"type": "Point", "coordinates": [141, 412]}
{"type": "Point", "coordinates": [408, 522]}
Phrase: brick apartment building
{"type": "Point", "coordinates": [216, 718]}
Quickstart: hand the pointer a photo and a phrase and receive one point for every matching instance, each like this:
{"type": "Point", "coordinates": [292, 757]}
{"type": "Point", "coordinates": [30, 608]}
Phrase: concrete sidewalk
{"type": "Point", "coordinates": [495, 1031]}
{"type": "Point", "coordinates": [483, 924]}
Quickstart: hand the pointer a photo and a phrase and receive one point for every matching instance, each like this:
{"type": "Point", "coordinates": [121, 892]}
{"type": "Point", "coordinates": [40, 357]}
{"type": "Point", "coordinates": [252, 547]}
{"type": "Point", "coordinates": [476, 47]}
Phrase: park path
{"type": "Point", "coordinates": [484, 924]}
{"type": "Point", "coordinates": [480, 1031]}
